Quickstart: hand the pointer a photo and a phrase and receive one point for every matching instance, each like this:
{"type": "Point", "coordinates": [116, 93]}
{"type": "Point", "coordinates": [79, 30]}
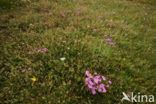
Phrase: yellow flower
{"type": "Point", "coordinates": [33, 79]}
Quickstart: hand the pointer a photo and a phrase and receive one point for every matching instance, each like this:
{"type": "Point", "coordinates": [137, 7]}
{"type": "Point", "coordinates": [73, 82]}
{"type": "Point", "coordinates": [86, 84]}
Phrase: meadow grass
{"type": "Point", "coordinates": [77, 31]}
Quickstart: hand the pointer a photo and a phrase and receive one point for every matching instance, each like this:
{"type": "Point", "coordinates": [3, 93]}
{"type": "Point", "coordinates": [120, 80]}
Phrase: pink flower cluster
{"type": "Point", "coordinates": [25, 70]}
{"type": "Point", "coordinates": [96, 82]}
{"type": "Point", "coordinates": [44, 50]}
{"type": "Point", "coordinates": [109, 40]}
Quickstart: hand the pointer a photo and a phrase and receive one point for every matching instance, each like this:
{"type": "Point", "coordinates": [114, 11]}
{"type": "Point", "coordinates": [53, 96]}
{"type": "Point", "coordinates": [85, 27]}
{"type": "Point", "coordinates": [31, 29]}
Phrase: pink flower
{"type": "Point", "coordinates": [90, 82]}
{"type": "Point", "coordinates": [109, 82]}
{"type": "Point", "coordinates": [64, 41]}
{"type": "Point", "coordinates": [103, 78]}
{"type": "Point", "coordinates": [128, 96]}
{"type": "Point", "coordinates": [42, 51]}
{"type": "Point", "coordinates": [23, 70]}
{"type": "Point", "coordinates": [101, 85]}
{"type": "Point", "coordinates": [77, 12]}
{"type": "Point", "coordinates": [88, 26]}
{"type": "Point", "coordinates": [99, 89]}
{"type": "Point", "coordinates": [90, 86]}
{"type": "Point", "coordinates": [29, 69]}
{"type": "Point", "coordinates": [95, 73]}
{"type": "Point", "coordinates": [105, 35]}
{"type": "Point", "coordinates": [97, 77]}
{"type": "Point", "coordinates": [87, 80]}
{"type": "Point", "coordinates": [68, 48]}
{"type": "Point", "coordinates": [111, 43]}
{"type": "Point", "coordinates": [108, 40]}
{"type": "Point", "coordinates": [90, 76]}
{"type": "Point", "coordinates": [108, 86]}
{"type": "Point", "coordinates": [39, 50]}
{"type": "Point", "coordinates": [45, 49]}
{"type": "Point", "coordinates": [96, 80]}
{"type": "Point", "coordinates": [104, 90]}
{"type": "Point", "coordinates": [31, 53]}
{"type": "Point", "coordinates": [63, 15]}
{"type": "Point", "coordinates": [93, 91]}
{"type": "Point", "coordinates": [87, 73]}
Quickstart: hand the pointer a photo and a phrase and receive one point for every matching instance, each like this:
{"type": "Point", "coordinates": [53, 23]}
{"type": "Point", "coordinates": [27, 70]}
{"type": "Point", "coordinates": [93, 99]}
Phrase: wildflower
{"type": "Point", "coordinates": [95, 73]}
{"type": "Point", "coordinates": [39, 51]}
{"type": "Point", "coordinates": [128, 96]}
{"type": "Point", "coordinates": [93, 91]}
{"type": "Point", "coordinates": [104, 90]}
{"type": "Point", "coordinates": [63, 15]}
{"type": "Point", "coordinates": [77, 12]}
{"type": "Point", "coordinates": [29, 69]}
{"type": "Point", "coordinates": [90, 86]}
{"type": "Point", "coordinates": [62, 59]}
{"type": "Point", "coordinates": [105, 35]}
{"type": "Point", "coordinates": [103, 78]}
{"type": "Point", "coordinates": [44, 50]}
{"type": "Point", "coordinates": [108, 86]}
{"type": "Point", "coordinates": [108, 40]}
{"type": "Point", "coordinates": [87, 73]}
{"type": "Point", "coordinates": [101, 85]}
{"type": "Point", "coordinates": [33, 79]}
{"type": "Point", "coordinates": [64, 41]}
{"type": "Point", "coordinates": [111, 43]}
{"type": "Point", "coordinates": [87, 80]}
{"type": "Point", "coordinates": [101, 88]}
{"type": "Point", "coordinates": [68, 48]}
{"type": "Point", "coordinates": [109, 82]}
{"type": "Point", "coordinates": [95, 82]}
{"type": "Point", "coordinates": [31, 53]}
{"type": "Point", "coordinates": [88, 26]}
{"type": "Point", "coordinates": [23, 70]}
{"type": "Point", "coordinates": [90, 82]}
{"type": "Point", "coordinates": [22, 43]}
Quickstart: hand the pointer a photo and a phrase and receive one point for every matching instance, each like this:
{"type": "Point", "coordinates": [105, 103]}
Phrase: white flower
{"type": "Point", "coordinates": [62, 59]}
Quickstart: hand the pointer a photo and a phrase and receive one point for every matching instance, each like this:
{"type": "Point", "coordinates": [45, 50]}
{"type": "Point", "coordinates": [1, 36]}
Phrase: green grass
{"type": "Point", "coordinates": [129, 64]}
